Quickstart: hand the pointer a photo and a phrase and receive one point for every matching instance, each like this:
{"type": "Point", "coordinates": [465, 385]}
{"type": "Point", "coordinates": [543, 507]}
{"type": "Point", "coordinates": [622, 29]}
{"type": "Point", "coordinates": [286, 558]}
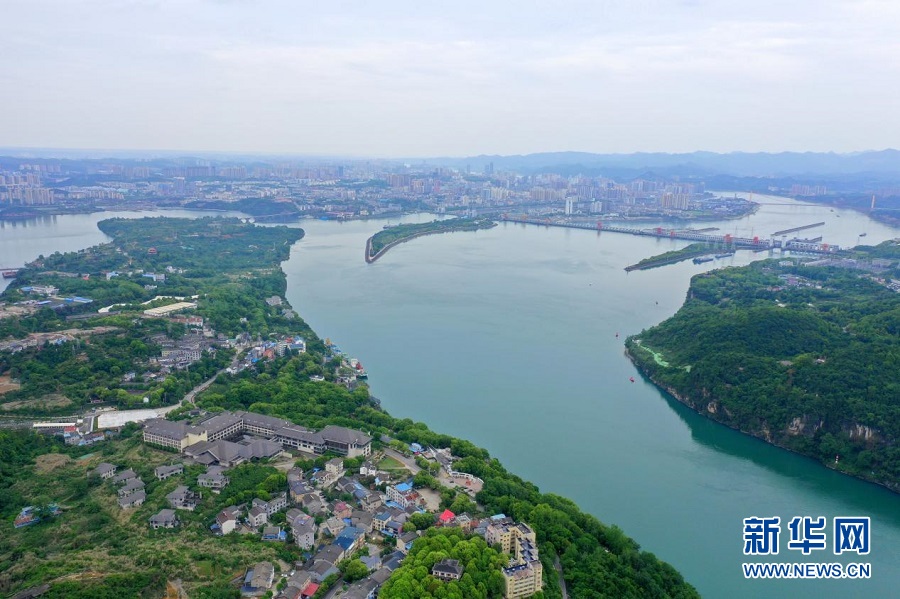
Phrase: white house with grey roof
{"type": "Point", "coordinates": [105, 470]}
{"type": "Point", "coordinates": [182, 498]}
{"type": "Point", "coordinates": [164, 519]}
{"type": "Point", "coordinates": [447, 569]}
{"type": "Point", "coordinates": [124, 476]}
{"type": "Point", "coordinates": [164, 472]}
{"type": "Point", "coordinates": [214, 478]}
{"type": "Point", "coordinates": [135, 499]}
{"type": "Point", "coordinates": [132, 486]}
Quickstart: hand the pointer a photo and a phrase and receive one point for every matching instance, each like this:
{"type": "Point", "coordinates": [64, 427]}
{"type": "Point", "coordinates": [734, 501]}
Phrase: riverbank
{"type": "Point", "coordinates": [710, 414]}
{"type": "Point", "coordinates": [747, 351]}
{"type": "Point", "coordinates": [385, 239]}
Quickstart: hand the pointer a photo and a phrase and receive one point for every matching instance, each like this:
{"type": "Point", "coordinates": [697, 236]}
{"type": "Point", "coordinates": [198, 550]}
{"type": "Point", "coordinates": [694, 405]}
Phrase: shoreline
{"type": "Point", "coordinates": [688, 403]}
{"type": "Point", "coordinates": [372, 258]}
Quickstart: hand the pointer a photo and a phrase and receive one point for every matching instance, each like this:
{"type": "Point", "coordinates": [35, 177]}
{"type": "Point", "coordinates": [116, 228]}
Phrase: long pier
{"type": "Point", "coordinates": [797, 229]}
{"type": "Point", "coordinates": [730, 241]}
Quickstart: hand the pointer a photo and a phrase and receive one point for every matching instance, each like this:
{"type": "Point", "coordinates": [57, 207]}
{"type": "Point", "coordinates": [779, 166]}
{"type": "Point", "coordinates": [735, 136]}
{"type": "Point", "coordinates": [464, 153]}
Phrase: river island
{"type": "Point", "coordinates": [378, 244]}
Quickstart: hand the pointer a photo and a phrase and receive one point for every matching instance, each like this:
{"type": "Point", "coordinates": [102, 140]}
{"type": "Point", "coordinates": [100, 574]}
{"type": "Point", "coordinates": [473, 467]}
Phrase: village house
{"type": "Point", "coordinates": [341, 510]}
{"type": "Point", "coordinates": [273, 533]}
{"type": "Point", "coordinates": [258, 580]}
{"type": "Point", "coordinates": [403, 494]}
{"type": "Point", "coordinates": [350, 540]}
{"type": "Point", "coordinates": [362, 589]}
{"type": "Point", "coordinates": [164, 472]}
{"type": "Point", "coordinates": [105, 470]}
{"type": "Point", "coordinates": [405, 541]}
{"type": "Point", "coordinates": [257, 517]}
{"type": "Point", "coordinates": [227, 520]}
{"type": "Point", "coordinates": [447, 569]}
{"type": "Point", "coordinates": [132, 486]}
{"type": "Point", "coordinates": [214, 478]}
{"type": "Point", "coordinates": [164, 519]}
{"type": "Point", "coordinates": [183, 498]}
{"type": "Point", "coordinates": [304, 532]}
{"type": "Point", "coordinates": [299, 586]}
{"type": "Point", "coordinates": [133, 500]}
{"type": "Point", "coordinates": [333, 526]}
{"type": "Point", "coordinates": [124, 476]}
{"type": "Point", "coordinates": [362, 520]}
{"type": "Point", "coordinates": [275, 504]}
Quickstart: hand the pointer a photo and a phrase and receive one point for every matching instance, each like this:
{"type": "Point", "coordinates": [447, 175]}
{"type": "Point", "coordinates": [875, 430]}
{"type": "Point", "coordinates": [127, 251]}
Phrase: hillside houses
{"type": "Point", "coordinates": [183, 498]}
{"type": "Point", "coordinates": [164, 472]}
{"type": "Point", "coordinates": [105, 470]}
{"type": "Point", "coordinates": [164, 519]}
{"type": "Point", "coordinates": [214, 478]}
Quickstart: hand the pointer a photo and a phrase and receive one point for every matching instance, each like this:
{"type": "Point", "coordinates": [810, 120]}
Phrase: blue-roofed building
{"type": "Point", "coordinates": [350, 539]}
{"type": "Point", "coordinates": [274, 533]}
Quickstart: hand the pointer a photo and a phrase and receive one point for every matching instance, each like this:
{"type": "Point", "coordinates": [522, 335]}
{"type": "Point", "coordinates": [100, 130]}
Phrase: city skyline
{"type": "Point", "coordinates": [409, 80]}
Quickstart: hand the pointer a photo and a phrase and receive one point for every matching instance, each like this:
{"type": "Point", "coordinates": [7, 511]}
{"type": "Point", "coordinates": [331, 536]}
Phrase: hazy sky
{"type": "Point", "coordinates": [393, 78]}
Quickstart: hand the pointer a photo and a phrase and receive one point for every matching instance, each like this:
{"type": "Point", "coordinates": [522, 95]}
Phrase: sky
{"type": "Point", "coordinates": [391, 78]}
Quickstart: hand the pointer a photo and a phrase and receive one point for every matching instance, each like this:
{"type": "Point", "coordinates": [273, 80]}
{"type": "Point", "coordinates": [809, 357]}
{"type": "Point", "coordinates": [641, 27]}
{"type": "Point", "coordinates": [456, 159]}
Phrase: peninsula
{"type": "Point", "coordinates": [273, 467]}
{"type": "Point", "coordinates": [377, 245]}
{"type": "Point", "coordinates": [800, 352]}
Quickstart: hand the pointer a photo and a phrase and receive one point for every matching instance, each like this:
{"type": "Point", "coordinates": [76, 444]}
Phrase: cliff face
{"type": "Point", "coordinates": [794, 435]}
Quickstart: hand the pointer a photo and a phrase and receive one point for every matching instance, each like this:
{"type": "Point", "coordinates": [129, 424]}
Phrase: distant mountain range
{"type": "Point", "coordinates": [741, 164]}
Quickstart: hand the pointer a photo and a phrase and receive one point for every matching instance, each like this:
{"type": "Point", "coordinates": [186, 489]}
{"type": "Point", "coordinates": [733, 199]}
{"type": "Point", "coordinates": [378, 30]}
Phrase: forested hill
{"type": "Point", "coordinates": [804, 354]}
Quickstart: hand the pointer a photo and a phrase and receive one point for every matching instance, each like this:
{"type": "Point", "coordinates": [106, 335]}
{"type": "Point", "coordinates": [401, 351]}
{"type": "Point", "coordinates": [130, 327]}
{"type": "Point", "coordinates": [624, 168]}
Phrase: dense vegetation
{"type": "Point", "coordinates": [231, 267]}
{"type": "Point", "coordinates": [386, 238]}
{"type": "Point", "coordinates": [481, 564]}
{"type": "Point", "coordinates": [56, 377]}
{"type": "Point", "coordinates": [804, 357]}
{"type": "Point", "coordinates": [671, 257]}
{"type": "Point", "coordinates": [93, 548]}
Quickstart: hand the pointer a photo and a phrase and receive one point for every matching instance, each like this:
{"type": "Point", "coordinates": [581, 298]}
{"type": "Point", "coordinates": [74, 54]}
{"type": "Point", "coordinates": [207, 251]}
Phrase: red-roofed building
{"type": "Point", "coordinates": [446, 518]}
{"type": "Point", "coordinates": [309, 591]}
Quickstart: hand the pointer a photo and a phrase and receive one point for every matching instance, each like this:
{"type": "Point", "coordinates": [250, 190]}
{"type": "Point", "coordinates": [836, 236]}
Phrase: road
{"type": "Point", "coordinates": [562, 581]}
{"type": "Point", "coordinates": [408, 462]}
{"type": "Point", "coordinates": [198, 389]}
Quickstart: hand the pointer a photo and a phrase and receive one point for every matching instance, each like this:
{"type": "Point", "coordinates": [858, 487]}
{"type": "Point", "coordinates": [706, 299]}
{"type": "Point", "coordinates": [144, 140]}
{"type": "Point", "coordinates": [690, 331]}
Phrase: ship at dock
{"type": "Point", "coordinates": [10, 274]}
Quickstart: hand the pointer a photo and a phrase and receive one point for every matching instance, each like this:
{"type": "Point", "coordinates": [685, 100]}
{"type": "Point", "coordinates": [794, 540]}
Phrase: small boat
{"type": "Point", "coordinates": [861, 235]}
{"type": "Point", "coordinates": [617, 335]}
{"type": "Point", "coordinates": [725, 255]}
{"type": "Point", "coordinates": [10, 274]}
{"type": "Point", "coordinates": [631, 378]}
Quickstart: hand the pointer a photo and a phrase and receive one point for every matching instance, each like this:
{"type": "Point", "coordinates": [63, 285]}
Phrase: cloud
{"type": "Point", "coordinates": [406, 78]}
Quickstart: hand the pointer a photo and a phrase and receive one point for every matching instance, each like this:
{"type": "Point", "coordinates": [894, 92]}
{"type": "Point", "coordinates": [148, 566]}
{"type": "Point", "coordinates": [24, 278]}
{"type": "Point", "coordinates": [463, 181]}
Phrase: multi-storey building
{"type": "Point", "coordinates": [523, 575]}
{"type": "Point", "coordinates": [178, 435]}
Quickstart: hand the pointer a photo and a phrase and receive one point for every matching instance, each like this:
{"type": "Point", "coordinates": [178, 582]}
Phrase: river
{"type": "Point", "coordinates": [507, 337]}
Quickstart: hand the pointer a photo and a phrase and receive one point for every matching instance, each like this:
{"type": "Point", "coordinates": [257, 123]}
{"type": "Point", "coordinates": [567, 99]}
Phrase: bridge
{"type": "Point", "coordinates": [727, 240]}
